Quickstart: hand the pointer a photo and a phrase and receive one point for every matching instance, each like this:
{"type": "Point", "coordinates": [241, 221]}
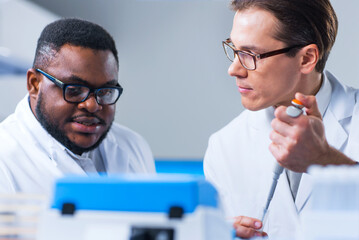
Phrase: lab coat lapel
{"type": "Point", "coordinates": [115, 159]}
{"type": "Point", "coordinates": [63, 161]}
{"type": "Point", "coordinates": [304, 191]}
{"type": "Point", "coordinates": [54, 155]}
{"type": "Point", "coordinates": [283, 204]}
{"type": "Point", "coordinates": [339, 109]}
{"type": "Point", "coordinates": [336, 137]}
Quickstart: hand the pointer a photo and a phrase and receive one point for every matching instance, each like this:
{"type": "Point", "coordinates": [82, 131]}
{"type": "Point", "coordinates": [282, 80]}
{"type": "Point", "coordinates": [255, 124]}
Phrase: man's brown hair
{"type": "Point", "coordinates": [300, 22]}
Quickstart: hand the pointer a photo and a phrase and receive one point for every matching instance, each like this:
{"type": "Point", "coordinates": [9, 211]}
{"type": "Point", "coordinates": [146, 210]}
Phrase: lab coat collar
{"type": "Point", "coordinates": [24, 113]}
{"type": "Point", "coordinates": [260, 120]}
{"type": "Point", "coordinates": [115, 159]}
{"type": "Point", "coordinates": [43, 140]}
{"type": "Point", "coordinates": [341, 108]}
{"type": "Point", "coordinates": [323, 98]}
{"type": "Point", "coordinates": [332, 112]}
{"type": "Point", "coordinates": [323, 95]}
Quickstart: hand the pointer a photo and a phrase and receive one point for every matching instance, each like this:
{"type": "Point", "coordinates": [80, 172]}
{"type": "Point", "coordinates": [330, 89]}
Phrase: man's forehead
{"type": "Point", "coordinates": [69, 48]}
{"type": "Point", "coordinates": [83, 66]}
{"type": "Point", "coordinates": [253, 29]}
{"type": "Point", "coordinates": [80, 58]}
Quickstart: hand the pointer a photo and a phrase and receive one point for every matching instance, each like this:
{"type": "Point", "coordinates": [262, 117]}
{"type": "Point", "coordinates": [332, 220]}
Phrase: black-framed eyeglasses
{"type": "Point", "coordinates": [249, 59]}
{"type": "Point", "coordinates": [77, 93]}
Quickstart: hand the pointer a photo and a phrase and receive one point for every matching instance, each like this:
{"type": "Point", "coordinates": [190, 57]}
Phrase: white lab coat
{"type": "Point", "coordinates": [31, 159]}
{"type": "Point", "coordinates": [238, 161]}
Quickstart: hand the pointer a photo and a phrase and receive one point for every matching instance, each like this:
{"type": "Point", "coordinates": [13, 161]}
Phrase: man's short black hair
{"type": "Point", "coordinates": [73, 31]}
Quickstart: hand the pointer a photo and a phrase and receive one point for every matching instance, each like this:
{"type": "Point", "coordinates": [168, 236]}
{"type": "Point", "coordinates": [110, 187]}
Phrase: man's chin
{"type": "Point", "coordinates": [84, 143]}
{"type": "Point", "coordinates": [253, 106]}
{"type": "Point", "coordinates": [79, 149]}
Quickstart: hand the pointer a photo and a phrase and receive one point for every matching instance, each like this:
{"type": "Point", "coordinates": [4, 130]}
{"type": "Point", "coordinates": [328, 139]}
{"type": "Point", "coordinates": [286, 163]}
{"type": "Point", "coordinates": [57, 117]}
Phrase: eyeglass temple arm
{"type": "Point", "coordinates": [53, 79]}
{"type": "Point", "coordinates": [276, 52]}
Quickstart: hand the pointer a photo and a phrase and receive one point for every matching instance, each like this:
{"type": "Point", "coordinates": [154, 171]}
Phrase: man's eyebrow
{"type": "Point", "coordinates": [112, 82]}
{"type": "Point", "coordinates": [248, 47]}
{"type": "Point", "coordinates": [251, 48]}
{"type": "Point", "coordinates": [74, 78]}
{"type": "Point", "coordinates": [77, 79]}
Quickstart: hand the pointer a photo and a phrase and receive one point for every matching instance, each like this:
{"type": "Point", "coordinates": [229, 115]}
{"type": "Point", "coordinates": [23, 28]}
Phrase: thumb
{"type": "Point", "coordinates": [310, 104]}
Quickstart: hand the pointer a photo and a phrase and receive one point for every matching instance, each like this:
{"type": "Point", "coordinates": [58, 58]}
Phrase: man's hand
{"type": "Point", "coordinates": [300, 142]}
{"type": "Point", "coordinates": [247, 227]}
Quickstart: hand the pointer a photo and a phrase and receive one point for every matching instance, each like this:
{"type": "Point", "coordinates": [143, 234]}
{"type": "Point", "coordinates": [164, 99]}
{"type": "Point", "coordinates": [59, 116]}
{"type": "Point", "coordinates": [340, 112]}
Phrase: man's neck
{"type": "Point", "coordinates": [309, 85]}
{"type": "Point", "coordinates": [312, 83]}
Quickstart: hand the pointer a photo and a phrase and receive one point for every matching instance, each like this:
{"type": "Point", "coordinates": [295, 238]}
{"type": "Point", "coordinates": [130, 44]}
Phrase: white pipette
{"type": "Point", "coordinates": [278, 169]}
{"type": "Point", "coordinates": [292, 111]}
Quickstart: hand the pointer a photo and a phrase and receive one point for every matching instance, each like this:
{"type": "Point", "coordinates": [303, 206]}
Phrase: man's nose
{"type": "Point", "coordinates": [236, 69]}
{"type": "Point", "coordinates": [90, 104]}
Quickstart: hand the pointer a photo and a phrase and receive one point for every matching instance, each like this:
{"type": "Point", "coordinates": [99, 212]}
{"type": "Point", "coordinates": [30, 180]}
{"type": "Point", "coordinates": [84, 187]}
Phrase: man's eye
{"type": "Point", "coordinates": [74, 91]}
{"type": "Point", "coordinates": [105, 91]}
{"type": "Point", "coordinates": [248, 51]}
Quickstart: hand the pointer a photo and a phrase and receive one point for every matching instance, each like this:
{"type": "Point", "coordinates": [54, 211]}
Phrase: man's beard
{"type": "Point", "coordinates": [54, 130]}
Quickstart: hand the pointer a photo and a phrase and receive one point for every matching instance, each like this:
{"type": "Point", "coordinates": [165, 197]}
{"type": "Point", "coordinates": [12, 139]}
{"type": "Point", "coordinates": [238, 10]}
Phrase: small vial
{"type": "Point", "coordinates": [296, 109]}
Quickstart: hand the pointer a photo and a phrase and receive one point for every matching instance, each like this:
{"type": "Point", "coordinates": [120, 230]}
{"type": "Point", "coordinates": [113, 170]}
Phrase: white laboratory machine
{"type": "Point", "coordinates": [334, 204]}
{"type": "Point", "coordinates": [133, 207]}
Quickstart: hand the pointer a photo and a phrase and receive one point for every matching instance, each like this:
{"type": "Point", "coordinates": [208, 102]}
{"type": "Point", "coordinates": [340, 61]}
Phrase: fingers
{"type": "Point", "coordinates": [281, 115]}
{"type": "Point", "coordinates": [244, 232]}
{"type": "Point", "coordinates": [310, 104]}
{"type": "Point", "coordinates": [279, 153]}
{"type": "Point", "coordinates": [298, 142]}
{"type": "Point", "coordinates": [247, 227]}
{"type": "Point", "coordinates": [275, 149]}
{"type": "Point", "coordinates": [282, 126]}
{"type": "Point", "coordinates": [287, 130]}
{"type": "Point", "coordinates": [248, 222]}
{"type": "Point", "coordinates": [279, 139]}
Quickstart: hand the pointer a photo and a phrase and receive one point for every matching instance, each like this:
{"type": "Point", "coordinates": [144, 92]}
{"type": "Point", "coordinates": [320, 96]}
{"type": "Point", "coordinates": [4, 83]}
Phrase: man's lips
{"type": "Point", "coordinates": [87, 120]}
{"type": "Point", "coordinates": [87, 124]}
{"type": "Point", "coordinates": [243, 86]}
{"type": "Point", "coordinates": [244, 89]}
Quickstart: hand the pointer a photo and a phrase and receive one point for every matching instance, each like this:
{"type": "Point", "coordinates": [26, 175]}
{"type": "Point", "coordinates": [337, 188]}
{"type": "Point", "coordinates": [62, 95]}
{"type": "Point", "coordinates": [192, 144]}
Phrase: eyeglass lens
{"type": "Point", "coordinates": [76, 94]}
{"type": "Point", "coordinates": [107, 95]}
{"type": "Point", "coordinates": [229, 52]}
{"type": "Point", "coordinates": [246, 59]}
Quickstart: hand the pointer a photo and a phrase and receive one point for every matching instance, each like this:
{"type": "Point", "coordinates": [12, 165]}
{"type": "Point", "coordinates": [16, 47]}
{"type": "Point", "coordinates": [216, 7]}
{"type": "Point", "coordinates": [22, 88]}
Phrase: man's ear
{"type": "Point", "coordinates": [310, 56]}
{"type": "Point", "coordinates": [33, 83]}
